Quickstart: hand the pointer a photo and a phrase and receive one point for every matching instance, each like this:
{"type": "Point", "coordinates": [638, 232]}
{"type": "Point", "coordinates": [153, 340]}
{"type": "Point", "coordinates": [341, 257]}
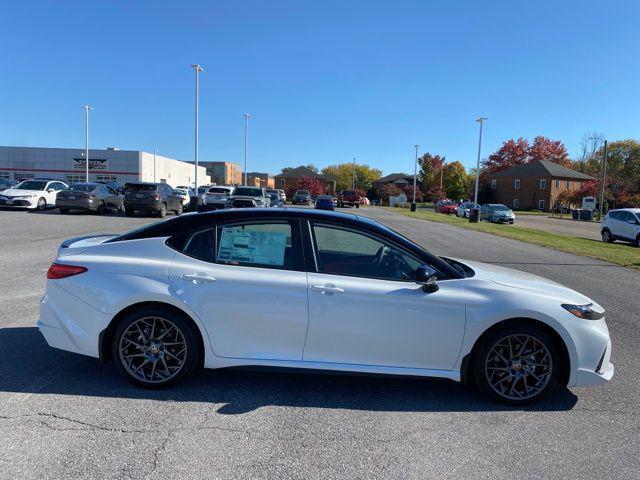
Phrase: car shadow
{"type": "Point", "coordinates": [29, 365]}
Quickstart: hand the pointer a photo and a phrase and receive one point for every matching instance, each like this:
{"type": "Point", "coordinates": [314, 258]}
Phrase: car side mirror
{"type": "Point", "coordinates": [50, 190]}
{"type": "Point", "coordinates": [632, 222]}
{"type": "Point", "coordinates": [428, 278]}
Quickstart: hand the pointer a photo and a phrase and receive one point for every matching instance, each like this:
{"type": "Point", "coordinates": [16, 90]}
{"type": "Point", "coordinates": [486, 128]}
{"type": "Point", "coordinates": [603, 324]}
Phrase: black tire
{"type": "Point", "coordinates": [64, 211]}
{"type": "Point", "coordinates": [637, 242]}
{"type": "Point", "coordinates": [357, 205]}
{"type": "Point", "coordinates": [101, 209]}
{"type": "Point", "coordinates": [482, 362]}
{"type": "Point", "coordinates": [491, 219]}
{"type": "Point", "coordinates": [128, 212]}
{"type": "Point", "coordinates": [188, 336]}
{"type": "Point", "coordinates": [178, 211]}
{"type": "Point", "coordinates": [163, 211]}
{"type": "Point", "coordinates": [42, 204]}
{"type": "Point", "coordinates": [606, 236]}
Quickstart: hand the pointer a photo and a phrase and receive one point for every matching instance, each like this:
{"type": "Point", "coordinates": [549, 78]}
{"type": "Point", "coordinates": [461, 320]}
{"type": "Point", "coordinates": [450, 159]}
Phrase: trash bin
{"type": "Point", "coordinates": [474, 215]}
{"type": "Point", "coordinates": [575, 214]}
{"type": "Point", "coordinates": [586, 214]}
{"type": "Point", "coordinates": [193, 203]}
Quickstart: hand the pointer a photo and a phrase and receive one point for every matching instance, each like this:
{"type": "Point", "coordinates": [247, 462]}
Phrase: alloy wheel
{"type": "Point", "coordinates": [42, 204]}
{"type": "Point", "coordinates": [606, 236]}
{"type": "Point", "coordinates": [518, 367]}
{"type": "Point", "coordinates": [153, 350]}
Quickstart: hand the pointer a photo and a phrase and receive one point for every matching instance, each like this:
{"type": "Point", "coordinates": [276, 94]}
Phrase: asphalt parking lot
{"type": "Point", "coordinates": [68, 416]}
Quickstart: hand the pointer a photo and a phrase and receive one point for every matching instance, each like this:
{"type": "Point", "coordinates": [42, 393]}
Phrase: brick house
{"type": "Point", "coordinates": [260, 179]}
{"type": "Point", "coordinates": [534, 185]}
{"type": "Point", "coordinates": [398, 179]}
{"type": "Point", "coordinates": [288, 180]}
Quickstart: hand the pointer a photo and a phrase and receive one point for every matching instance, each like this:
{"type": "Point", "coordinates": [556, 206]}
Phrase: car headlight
{"type": "Point", "coordinates": [584, 311]}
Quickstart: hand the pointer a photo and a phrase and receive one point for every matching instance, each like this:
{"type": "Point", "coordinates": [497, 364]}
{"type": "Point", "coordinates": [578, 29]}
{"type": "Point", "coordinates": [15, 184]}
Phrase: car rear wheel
{"type": "Point", "coordinates": [637, 242]}
{"type": "Point", "coordinates": [101, 209]}
{"type": "Point", "coordinates": [606, 236]}
{"type": "Point", "coordinates": [516, 365]}
{"type": "Point", "coordinates": [153, 347]}
{"type": "Point", "coordinates": [178, 211]}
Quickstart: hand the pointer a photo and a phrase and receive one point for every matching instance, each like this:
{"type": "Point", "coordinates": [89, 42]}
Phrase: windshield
{"type": "Point", "coordinates": [141, 187]}
{"type": "Point", "coordinates": [81, 187]}
{"type": "Point", "coordinates": [248, 191]}
{"type": "Point", "coordinates": [302, 192]}
{"type": "Point", "coordinates": [223, 191]}
{"type": "Point", "coordinates": [31, 185]}
{"type": "Point", "coordinates": [274, 196]}
{"type": "Point", "coordinates": [180, 191]}
{"type": "Point", "coordinates": [499, 208]}
{"type": "Point", "coordinates": [272, 191]}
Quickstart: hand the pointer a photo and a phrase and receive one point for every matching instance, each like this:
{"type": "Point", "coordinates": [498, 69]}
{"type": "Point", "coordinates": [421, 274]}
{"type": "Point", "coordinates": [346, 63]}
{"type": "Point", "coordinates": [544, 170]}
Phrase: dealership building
{"type": "Point", "coordinates": [110, 165]}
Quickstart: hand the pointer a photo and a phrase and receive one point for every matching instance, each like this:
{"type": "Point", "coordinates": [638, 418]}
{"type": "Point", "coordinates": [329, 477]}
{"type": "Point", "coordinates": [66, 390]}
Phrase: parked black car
{"type": "Point", "coordinates": [154, 198]}
{"type": "Point", "coordinates": [302, 197]}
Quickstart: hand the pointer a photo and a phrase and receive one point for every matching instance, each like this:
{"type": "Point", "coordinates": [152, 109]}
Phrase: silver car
{"type": "Point", "coordinates": [497, 213]}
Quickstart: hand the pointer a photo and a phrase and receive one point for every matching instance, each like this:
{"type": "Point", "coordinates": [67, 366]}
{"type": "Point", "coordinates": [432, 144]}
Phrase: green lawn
{"type": "Point", "coordinates": [618, 253]}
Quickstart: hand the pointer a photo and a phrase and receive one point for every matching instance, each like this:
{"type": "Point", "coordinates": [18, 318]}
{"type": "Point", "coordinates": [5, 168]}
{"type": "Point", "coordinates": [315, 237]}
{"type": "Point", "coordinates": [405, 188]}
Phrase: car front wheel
{"type": "Point", "coordinates": [42, 204]}
{"type": "Point", "coordinates": [516, 365]}
{"type": "Point", "coordinates": [155, 347]}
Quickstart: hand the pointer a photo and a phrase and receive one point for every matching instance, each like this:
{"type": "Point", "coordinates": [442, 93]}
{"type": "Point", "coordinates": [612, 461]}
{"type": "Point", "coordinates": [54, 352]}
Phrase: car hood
{"type": "Point", "coordinates": [12, 192]}
{"type": "Point", "coordinates": [509, 277]}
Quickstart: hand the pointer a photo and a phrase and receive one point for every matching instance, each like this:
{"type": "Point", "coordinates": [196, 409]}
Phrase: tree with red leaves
{"type": "Point", "coordinates": [511, 153]}
{"type": "Point", "coordinates": [544, 148]}
{"type": "Point", "coordinates": [430, 167]}
{"type": "Point", "coordinates": [306, 183]}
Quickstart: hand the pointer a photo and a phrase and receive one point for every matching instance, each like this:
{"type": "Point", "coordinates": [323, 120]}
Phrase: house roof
{"type": "Point", "coordinates": [394, 177]}
{"type": "Point", "coordinates": [300, 172]}
{"type": "Point", "coordinates": [542, 168]}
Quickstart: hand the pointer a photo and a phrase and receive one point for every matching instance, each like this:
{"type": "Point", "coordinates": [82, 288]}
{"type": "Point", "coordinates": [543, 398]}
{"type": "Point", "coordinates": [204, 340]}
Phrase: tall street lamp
{"type": "Point", "coordinates": [475, 194]}
{"type": "Point", "coordinates": [353, 180]}
{"type": "Point", "coordinates": [155, 151]}
{"type": "Point", "coordinates": [602, 181]}
{"type": "Point", "coordinates": [197, 69]}
{"type": "Point", "coordinates": [246, 133]}
{"type": "Point", "coordinates": [86, 139]}
{"type": "Point", "coordinates": [415, 179]}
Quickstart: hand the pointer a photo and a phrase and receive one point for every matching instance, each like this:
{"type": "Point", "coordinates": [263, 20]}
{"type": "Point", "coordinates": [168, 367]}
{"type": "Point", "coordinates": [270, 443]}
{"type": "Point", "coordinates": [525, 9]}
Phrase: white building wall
{"type": "Point", "coordinates": [168, 170]}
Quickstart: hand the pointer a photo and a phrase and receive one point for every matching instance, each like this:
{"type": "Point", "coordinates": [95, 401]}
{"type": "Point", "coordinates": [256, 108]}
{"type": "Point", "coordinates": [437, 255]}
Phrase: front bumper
{"type": "Point", "coordinates": [19, 202]}
{"type": "Point", "coordinates": [591, 364]}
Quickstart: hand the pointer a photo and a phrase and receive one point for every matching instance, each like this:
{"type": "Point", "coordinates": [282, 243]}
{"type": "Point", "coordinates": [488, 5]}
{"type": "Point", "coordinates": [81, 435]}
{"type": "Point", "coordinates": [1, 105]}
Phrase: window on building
{"type": "Point", "coordinates": [543, 183]}
{"type": "Point", "coordinates": [283, 182]}
{"type": "Point", "coordinates": [567, 183]}
{"type": "Point", "coordinates": [494, 183]}
{"type": "Point", "coordinates": [106, 178]}
{"type": "Point", "coordinates": [516, 203]}
{"type": "Point", "coordinates": [75, 178]}
{"type": "Point", "coordinates": [5, 175]}
{"type": "Point", "coordinates": [516, 184]}
{"type": "Point", "coordinates": [557, 183]}
{"type": "Point", "coordinates": [540, 204]}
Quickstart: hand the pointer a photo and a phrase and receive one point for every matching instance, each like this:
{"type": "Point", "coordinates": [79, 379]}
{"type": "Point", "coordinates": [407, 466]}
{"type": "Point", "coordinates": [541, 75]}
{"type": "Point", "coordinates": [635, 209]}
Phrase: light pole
{"type": "Point", "coordinates": [155, 151]}
{"type": "Point", "coordinates": [475, 194]}
{"type": "Point", "coordinates": [353, 181]}
{"type": "Point", "coordinates": [197, 69]}
{"type": "Point", "coordinates": [602, 181]}
{"type": "Point", "coordinates": [246, 133]}
{"type": "Point", "coordinates": [415, 180]}
{"type": "Point", "coordinates": [86, 139]}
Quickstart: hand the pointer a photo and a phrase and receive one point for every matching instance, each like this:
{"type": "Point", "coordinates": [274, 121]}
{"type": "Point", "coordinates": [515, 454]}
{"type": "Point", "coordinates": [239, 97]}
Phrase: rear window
{"type": "Point", "coordinates": [250, 192]}
{"type": "Point", "coordinates": [348, 192]}
{"type": "Point", "coordinates": [79, 187]}
{"type": "Point", "coordinates": [302, 192]}
{"type": "Point", "coordinates": [140, 187]}
{"type": "Point", "coordinates": [224, 191]}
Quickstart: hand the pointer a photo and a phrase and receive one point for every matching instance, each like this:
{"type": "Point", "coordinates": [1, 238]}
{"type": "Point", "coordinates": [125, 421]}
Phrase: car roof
{"type": "Point", "coordinates": [632, 210]}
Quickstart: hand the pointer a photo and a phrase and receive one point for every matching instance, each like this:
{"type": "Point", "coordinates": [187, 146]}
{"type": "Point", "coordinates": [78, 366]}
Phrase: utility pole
{"type": "Point", "coordinates": [475, 194]}
{"type": "Point", "coordinates": [441, 172]}
{"type": "Point", "coordinates": [603, 180]}
{"type": "Point", "coordinates": [197, 69]}
{"type": "Point", "coordinates": [86, 139]}
{"type": "Point", "coordinates": [415, 180]}
{"type": "Point", "coordinates": [353, 182]}
{"type": "Point", "coordinates": [155, 151]}
{"type": "Point", "coordinates": [246, 132]}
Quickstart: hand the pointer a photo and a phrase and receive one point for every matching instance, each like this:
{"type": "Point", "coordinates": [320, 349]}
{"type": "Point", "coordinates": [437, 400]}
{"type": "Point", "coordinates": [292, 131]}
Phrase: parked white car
{"type": "Point", "coordinates": [622, 224]}
{"type": "Point", "coordinates": [217, 198]}
{"type": "Point", "coordinates": [32, 194]}
{"type": "Point", "coordinates": [316, 290]}
{"type": "Point", "coordinates": [464, 209]}
{"type": "Point", "coordinates": [184, 196]}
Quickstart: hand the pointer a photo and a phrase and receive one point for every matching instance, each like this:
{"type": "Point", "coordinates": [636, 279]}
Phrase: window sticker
{"type": "Point", "coordinates": [240, 245]}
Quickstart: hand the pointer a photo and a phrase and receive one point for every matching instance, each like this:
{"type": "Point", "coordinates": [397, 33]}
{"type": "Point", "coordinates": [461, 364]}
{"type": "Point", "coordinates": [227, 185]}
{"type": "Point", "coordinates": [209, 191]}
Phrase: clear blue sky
{"type": "Point", "coordinates": [324, 80]}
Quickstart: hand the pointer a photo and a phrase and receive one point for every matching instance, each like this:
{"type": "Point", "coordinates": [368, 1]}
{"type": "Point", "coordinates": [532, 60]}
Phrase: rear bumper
{"type": "Point", "coordinates": [77, 204]}
{"type": "Point", "coordinates": [70, 324]}
{"type": "Point", "coordinates": [143, 206]}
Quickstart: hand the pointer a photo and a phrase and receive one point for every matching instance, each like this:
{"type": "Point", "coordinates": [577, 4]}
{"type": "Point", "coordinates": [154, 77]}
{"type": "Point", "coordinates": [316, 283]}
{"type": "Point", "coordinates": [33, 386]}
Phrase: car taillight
{"type": "Point", "coordinates": [57, 271]}
{"type": "Point", "coordinates": [156, 196]}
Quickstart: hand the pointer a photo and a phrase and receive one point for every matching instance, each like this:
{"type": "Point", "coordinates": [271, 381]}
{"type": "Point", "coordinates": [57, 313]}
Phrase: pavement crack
{"type": "Point", "coordinates": [40, 416]}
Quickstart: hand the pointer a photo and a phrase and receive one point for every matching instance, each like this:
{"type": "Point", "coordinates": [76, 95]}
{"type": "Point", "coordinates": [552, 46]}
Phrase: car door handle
{"type": "Point", "coordinates": [328, 288]}
{"type": "Point", "coordinates": [197, 278]}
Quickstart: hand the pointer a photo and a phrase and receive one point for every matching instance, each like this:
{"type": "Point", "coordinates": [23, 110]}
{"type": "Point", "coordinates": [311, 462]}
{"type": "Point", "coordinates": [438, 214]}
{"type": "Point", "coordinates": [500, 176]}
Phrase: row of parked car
{"type": "Point", "coordinates": [491, 212]}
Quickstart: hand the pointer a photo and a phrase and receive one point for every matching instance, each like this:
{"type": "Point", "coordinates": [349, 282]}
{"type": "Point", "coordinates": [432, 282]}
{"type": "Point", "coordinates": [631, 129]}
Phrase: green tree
{"type": "Point", "coordinates": [311, 167]}
{"type": "Point", "coordinates": [365, 175]}
{"type": "Point", "coordinates": [455, 180]}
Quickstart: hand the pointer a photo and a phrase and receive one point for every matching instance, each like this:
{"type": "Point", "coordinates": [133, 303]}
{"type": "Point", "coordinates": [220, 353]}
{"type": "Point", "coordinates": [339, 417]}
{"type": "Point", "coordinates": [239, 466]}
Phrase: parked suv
{"type": "Point", "coordinates": [622, 224]}
{"type": "Point", "coordinates": [154, 198]}
{"type": "Point", "coordinates": [249, 197]}
{"type": "Point", "coordinates": [302, 197]}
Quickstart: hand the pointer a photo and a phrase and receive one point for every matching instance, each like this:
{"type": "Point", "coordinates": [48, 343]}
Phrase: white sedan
{"type": "Point", "coordinates": [312, 289]}
{"type": "Point", "coordinates": [32, 194]}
